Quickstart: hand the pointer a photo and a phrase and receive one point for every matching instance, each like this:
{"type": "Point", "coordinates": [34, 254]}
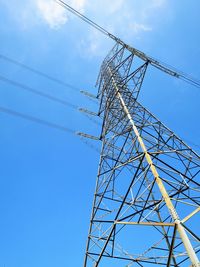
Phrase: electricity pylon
{"type": "Point", "coordinates": [146, 202]}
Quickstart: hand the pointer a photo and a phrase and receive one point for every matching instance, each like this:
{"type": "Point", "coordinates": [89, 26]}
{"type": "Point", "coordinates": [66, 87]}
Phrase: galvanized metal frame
{"type": "Point", "coordinates": [147, 178]}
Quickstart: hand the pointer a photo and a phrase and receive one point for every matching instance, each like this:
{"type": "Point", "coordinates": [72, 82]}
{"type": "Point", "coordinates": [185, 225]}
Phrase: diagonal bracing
{"type": "Point", "coordinates": [146, 203]}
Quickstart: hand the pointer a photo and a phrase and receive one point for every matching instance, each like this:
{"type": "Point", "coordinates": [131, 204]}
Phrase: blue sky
{"type": "Point", "coordinates": [48, 176]}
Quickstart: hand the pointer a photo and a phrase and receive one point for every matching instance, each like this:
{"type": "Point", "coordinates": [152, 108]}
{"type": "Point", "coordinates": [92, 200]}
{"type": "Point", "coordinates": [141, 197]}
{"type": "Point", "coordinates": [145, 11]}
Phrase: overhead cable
{"type": "Point", "coordinates": [154, 62]}
{"type": "Point", "coordinates": [36, 92]}
{"type": "Point", "coordinates": [38, 72]}
{"type": "Point", "coordinates": [35, 119]}
{"type": "Point", "coordinates": [46, 123]}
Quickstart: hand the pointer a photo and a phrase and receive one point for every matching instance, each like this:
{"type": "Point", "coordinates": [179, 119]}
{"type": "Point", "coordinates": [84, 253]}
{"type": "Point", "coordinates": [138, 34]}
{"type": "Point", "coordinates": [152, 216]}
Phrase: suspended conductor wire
{"type": "Point", "coordinates": [36, 92]}
{"type": "Point", "coordinates": [50, 124]}
{"type": "Point", "coordinates": [154, 62]}
{"type": "Point", "coordinates": [38, 72]}
{"type": "Point", "coordinates": [46, 123]}
{"type": "Point", "coordinates": [89, 144]}
{"type": "Point", "coordinates": [81, 16]}
{"type": "Point", "coordinates": [35, 119]}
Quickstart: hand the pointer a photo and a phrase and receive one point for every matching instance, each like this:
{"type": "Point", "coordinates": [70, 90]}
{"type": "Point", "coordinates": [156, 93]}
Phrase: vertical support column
{"type": "Point", "coordinates": [184, 237]}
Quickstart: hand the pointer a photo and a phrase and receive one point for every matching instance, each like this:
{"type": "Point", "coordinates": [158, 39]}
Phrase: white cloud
{"type": "Point", "coordinates": [92, 45]}
{"type": "Point", "coordinates": [129, 20]}
{"type": "Point", "coordinates": [153, 8]}
{"type": "Point", "coordinates": [30, 13]}
{"type": "Point", "coordinates": [54, 14]}
{"type": "Point", "coordinates": [139, 27]}
{"type": "Point", "coordinates": [123, 19]}
{"type": "Point", "coordinates": [78, 4]}
{"type": "Point", "coordinates": [113, 8]}
{"type": "Point", "coordinates": [158, 3]}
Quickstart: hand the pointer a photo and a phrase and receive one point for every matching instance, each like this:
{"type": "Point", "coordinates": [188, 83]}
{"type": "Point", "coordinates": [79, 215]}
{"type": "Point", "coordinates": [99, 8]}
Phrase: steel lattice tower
{"type": "Point", "coordinates": [146, 203]}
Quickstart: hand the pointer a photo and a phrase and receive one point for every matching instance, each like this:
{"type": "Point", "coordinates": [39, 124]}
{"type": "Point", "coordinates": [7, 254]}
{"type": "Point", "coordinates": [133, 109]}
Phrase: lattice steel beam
{"type": "Point", "coordinates": [148, 179]}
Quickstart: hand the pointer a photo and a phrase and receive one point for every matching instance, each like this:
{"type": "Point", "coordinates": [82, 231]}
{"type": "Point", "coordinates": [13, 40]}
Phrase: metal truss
{"type": "Point", "coordinates": [146, 203]}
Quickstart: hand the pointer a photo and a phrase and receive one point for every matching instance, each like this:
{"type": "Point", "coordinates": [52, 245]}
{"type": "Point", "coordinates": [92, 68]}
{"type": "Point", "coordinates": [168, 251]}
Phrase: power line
{"type": "Point", "coordinates": [35, 119]}
{"type": "Point", "coordinates": [154, 62]}
{"type": "Point", "coordinates": [38, 120]}
{"type": "Point", "coordinates": [36, 92]}
{"type": "Point", "coordinates": [38, 72]}
{"type": "Point", "coordinates": [27, 88]}
{"type": "Point", "coordinates": [8, 59]}
{"type": "Point", "coordinates": [89, 144]}
{"type": "Point", "coordinates": [46, 123]}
